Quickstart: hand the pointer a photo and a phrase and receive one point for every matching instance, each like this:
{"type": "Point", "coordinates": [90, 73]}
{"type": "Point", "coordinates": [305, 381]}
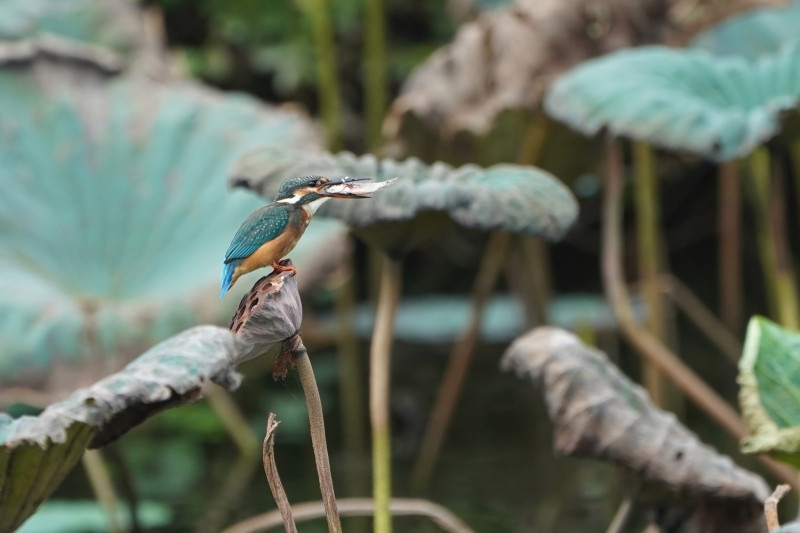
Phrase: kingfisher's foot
{"type": "Point", "coordinates": [281, 268]}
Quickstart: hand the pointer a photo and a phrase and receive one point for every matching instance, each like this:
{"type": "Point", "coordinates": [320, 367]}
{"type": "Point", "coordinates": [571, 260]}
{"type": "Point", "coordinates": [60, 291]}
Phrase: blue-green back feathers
{"type": "Point", "coordinates": [263, 225]}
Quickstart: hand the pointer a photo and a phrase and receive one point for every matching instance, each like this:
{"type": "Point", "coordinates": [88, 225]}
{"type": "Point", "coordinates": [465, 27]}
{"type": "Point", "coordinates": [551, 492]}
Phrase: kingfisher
{"type": "Point", "coordinates": [272, 231]}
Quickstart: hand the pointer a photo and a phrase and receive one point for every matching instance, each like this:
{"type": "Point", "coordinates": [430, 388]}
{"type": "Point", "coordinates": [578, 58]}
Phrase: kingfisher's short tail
{"type": "Point", "coordinates": [226, 279]}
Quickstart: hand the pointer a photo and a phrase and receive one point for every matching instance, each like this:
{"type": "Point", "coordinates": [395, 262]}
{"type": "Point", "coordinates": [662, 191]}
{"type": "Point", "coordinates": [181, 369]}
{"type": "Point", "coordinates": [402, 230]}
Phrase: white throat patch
{"type": "Point", "coordinates": [313, 206]}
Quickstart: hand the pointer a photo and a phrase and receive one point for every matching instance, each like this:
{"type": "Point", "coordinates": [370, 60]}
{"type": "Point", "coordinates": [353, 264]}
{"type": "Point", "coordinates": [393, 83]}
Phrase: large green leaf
{"type": "Point", "coordinates": [754, 33]}
{"type": "Point", "coordinates": [769, 394]}
{"type": "Point", "coordinates": [719, 108]}
{"type": "Point", "coordinates": [115, 24]}
{"type": "Point", "coordinates": [114, 216]}
{"type": "Point", "coordinates": [503, 197]}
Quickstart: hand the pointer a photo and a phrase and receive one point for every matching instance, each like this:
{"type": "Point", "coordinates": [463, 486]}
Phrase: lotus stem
{"type": "Point", "coordinates": [319, 11]}
{"type": "Point", "coordinates": [702, 317]}
{"type": "Point", "coordinates": [274, 480]}
{"type": "Point", "coordinates": [617, 296]}
{"type": "Point", "coordinates": [374, 70]}
{"type": "Point", "coordinates": [317, 424]}
{"type": "Point", "coordinates": [356, 507]}
{"type": "Point", "coordinates": [667, 362]}
{"type": "Point", "coordinates": [380, 367]}
{"type": "Point", "coordinates": [647, 238]}
{"type": "Point", "coordinates": [103, 488]}
{"type": "Point", "coordinates": [769, 209]}
{"type": "Point", "coordinates": [459, 362]}
{"type": "Point", "coordinates": [536, 266]}
{"type": "Point", "coordinates": [794, 155]}
{"type": "Point", "coordinates": [730, 245]}
{"type": "Point", "coordinates": [530, 150]}
{"type": "Point", "coordinates": [621, 516]}
{"type": "Point", "coordinates": [351, 390]}
{"type": "Point", "coordinates": [232, 418]}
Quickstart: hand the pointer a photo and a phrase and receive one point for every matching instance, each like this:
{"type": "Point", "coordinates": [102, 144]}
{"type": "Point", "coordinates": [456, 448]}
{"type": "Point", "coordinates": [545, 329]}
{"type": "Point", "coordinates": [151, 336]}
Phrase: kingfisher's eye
{"type": "Point", "coordinates": [321, 181]}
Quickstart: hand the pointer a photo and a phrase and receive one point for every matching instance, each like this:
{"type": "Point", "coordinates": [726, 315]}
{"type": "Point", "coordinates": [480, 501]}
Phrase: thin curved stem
{"type": "Point", "coordinates": [319, 11]}
{"type": "Point", "coordinates": [351, 388]}
{"type": "Point", "coordinates": [374, 70]}
{"type": "Point", "coordinates": [232, 418]}
{"type": "Point", "coordinates": [103, 488]}
{"type": "Point", "coordinates": [767, 199]}
{"type": "Point", "coordinates": [666, 361]}
{"type": "Point", "coordinates": [317, 423]}
{"type": "Point", "coordinates": [647, 233]}
{"type": "Point", "coordinates": [459, 362]}
{"type": "Point", "coordinates": [730, 245]}
{"type": "Point", "coordinates": [356, 507]}
{"type": "Point", "coordinates": [274, 480]}
{"type": "Point", "coordinates": [379, 392]}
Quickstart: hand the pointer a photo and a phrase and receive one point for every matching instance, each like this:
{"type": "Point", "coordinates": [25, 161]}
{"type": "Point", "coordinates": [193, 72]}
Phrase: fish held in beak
{"type": "Point", "coordinates": [348, 187]}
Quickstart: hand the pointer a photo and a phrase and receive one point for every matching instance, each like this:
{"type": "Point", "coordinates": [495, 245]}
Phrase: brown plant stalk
{"type": "Point", "coordinates": [274, 480]}
{"type": "Point", "coordinates": [646, 345]}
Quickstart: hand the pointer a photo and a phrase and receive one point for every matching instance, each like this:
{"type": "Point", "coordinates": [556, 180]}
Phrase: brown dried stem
{"type": "Point", "coordinates": [730, 246]}
{"type": "Point", "coordinates": [771, 507]}
{"type": "Point", "coordinates": [357, 507]}
{"type": "Point", "coordinates": [295, 346]}
{"type": "Point", "coordinates": [646, 345]}
{"type": "Point", "coordinates": [274, 480]}
{"type": "Point", "coordinates": [459, 362]}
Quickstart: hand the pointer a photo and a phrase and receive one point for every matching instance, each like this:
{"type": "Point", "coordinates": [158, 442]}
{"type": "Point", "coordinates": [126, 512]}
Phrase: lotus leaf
{"type": "Point", "coordinates": [598, 412]}
{"type": "Point", "coordinates": [37, 452]}
{"type": "Point", "coordinates": [443, 318]}
{"type": "Point", "coordinates": [507, 58]}
{"type": "Point", "coordinates": [114, 218]}
{"type": "Point", "coordinates": [719, 108]}
{"type": "Point", "coordinates": [754, 33]}
{"type": "Point", "coordinates": [114, 24]}
{"type": "Point", "coordinates": [503, 197]}
{"type": "Point", "coordinates": [769, 396]}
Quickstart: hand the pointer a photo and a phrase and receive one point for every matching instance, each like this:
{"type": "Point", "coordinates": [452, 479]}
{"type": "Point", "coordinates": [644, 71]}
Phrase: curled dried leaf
{"type": "Point", "coordinates": [600, 413]}
{"type": "Point", "coordinates": [268, 314]}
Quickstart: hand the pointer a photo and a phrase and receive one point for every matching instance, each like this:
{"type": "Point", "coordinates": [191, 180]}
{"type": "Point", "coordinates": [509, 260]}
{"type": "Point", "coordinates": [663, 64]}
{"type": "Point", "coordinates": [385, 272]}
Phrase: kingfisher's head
{"type": "Point", "coordinates": [311, 190]}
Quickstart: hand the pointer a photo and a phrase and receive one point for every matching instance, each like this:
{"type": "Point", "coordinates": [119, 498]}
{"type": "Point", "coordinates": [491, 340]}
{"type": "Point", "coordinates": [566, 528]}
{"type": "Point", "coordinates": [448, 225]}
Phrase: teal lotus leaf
{"type": "Point", "coordinates": [82, 516]}
{"type": "Point", "coordinates": [769, 395]}
{"type": "Point", "coordinates": [510, 198]}
{"type": "Point", "coordinates": [687, 100]}
{"type": "Point", "coordinates": [115, 217]}
{"type": "Point", "coordinates": [755, 33]}
{"type": "Point", "coordinates": [36, 452]}
{"type": "Point", "coordinates": [112, 24]}
{"type": "Point", "coordinates": [443, 318]}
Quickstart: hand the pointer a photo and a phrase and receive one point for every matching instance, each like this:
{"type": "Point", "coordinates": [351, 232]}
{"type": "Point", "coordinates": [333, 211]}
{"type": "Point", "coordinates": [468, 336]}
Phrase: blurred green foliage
{"type": "Point", "coordinates": [78, 516]}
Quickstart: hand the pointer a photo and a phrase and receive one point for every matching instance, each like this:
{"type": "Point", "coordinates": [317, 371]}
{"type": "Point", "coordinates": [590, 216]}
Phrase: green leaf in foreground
{"type": "Point", "coordinates": [769, 394]}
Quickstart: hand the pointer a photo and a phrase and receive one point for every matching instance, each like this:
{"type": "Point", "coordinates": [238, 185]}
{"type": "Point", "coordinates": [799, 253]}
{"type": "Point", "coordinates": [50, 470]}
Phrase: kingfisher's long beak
{"type": "Point", "coordinates": [341, 189]}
